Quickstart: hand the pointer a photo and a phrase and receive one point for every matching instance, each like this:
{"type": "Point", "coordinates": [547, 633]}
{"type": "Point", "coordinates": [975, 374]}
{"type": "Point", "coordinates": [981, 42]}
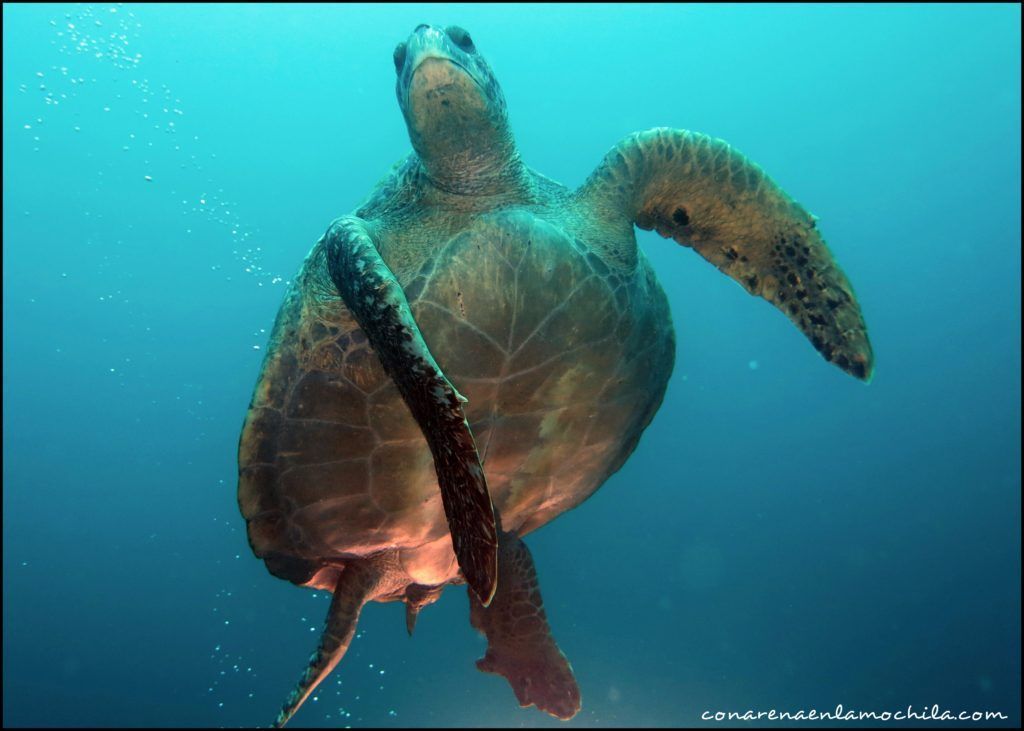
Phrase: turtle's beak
{"type": "Point", "coordinates": [425, 42]}
{"type": "Point", "coordinates": [426, 56]}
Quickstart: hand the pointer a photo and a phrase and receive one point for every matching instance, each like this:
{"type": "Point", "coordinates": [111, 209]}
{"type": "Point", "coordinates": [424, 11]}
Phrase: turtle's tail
{"type": "Point", "coordinates": [353, 591]}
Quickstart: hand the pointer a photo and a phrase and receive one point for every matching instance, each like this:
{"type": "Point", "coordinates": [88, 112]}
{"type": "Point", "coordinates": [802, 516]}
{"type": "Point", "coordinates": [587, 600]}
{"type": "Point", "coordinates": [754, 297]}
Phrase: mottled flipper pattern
{"type": "Point", "coordinates": [702, 193]}
{"type": "Point", "coordinates": [353, 590]}
{"type": "Point", "coordinates": [375, 298]}
{"type": "Point", "coordinates": [519, 641]}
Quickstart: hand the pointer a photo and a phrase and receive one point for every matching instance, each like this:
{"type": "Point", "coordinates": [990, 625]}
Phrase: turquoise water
{"type": "Point", "coordinates": [784, 536]}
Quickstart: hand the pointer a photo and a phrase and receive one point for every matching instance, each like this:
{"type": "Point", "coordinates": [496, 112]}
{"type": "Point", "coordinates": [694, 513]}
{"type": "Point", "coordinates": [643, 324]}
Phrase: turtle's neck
{"type": "Point", "coordinates": [463, 163]}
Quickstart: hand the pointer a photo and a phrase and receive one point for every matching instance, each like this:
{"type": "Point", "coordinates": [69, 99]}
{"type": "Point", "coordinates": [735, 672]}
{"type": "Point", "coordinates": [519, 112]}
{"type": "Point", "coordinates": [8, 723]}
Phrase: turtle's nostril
{"type": "Point", "coordinates": [420, 27]}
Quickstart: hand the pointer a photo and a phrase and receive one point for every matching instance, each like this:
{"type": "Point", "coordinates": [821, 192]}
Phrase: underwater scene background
{"type": "Point", "coordinates": [784, 537]}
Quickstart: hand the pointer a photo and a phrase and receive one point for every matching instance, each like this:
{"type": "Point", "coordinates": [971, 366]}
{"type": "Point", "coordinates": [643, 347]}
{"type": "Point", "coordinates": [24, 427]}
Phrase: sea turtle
{"type": "Point", "coordinates": [477, 348]}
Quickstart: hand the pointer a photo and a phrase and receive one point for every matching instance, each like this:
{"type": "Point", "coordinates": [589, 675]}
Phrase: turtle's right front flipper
{"type": "Point", "coordinates": [705, 195]}
{"type": "Point", "coordinates": [375, 298]}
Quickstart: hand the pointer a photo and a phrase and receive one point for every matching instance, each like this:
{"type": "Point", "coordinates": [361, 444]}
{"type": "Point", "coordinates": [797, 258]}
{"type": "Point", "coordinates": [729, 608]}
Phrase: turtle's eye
{"type": "Point", "coordinates": [399, 57]}
{"type": "Point", "coordinates": [460, 38]}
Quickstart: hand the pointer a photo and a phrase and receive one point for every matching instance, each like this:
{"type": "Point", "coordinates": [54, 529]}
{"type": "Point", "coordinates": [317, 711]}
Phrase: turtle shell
{"type": "Point", "coordinates": [564, 360]}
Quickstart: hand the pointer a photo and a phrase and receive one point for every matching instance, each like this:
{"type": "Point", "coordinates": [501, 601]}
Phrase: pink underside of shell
{"type": "Point", "coordinates": [325, 579]}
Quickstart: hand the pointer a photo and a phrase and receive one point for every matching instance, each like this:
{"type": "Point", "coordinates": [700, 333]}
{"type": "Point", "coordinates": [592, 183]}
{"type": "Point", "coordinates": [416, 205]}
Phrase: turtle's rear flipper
{"type": "Point", "coordinates": [704, 194]}
{"type": "Point", "coordinates": [519, 641]}
{"type": "Point", "coordinates": [353, 591]}
{"type": "Point", "coordinates": [375, 298]}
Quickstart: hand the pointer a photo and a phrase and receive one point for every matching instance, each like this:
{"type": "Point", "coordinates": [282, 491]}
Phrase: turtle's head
{"type": "Point", "coordinates": [455, 111]}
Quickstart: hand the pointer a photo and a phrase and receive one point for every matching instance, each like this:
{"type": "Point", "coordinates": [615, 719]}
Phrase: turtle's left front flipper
{"type": "Point", "coordinates": [375, 298]}
{"type": "Point", "coordinates": [704, 194]}
{"type": "Point", "coordinates": [519, 642]}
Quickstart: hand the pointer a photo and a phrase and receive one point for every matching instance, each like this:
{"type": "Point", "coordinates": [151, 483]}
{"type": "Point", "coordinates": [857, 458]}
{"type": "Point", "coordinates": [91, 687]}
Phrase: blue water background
{"type": "Point", "coordinates": [783, 537]}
